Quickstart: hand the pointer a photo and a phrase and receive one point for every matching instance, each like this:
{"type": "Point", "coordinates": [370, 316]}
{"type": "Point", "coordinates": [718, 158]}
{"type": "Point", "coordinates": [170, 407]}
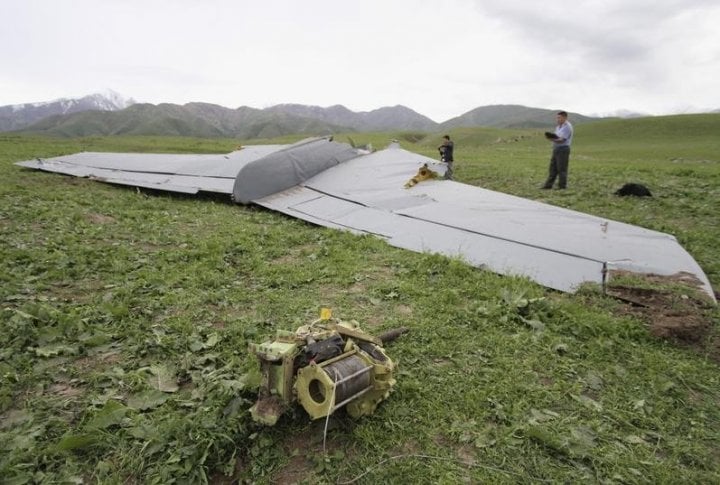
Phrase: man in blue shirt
{"type": "Point", "coordinates": [560, 159]}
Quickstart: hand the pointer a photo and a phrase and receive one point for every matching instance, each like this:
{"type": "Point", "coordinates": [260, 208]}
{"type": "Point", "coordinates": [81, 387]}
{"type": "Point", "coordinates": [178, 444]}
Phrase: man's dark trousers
{"type": "Point", "coordinates": [558, 167]}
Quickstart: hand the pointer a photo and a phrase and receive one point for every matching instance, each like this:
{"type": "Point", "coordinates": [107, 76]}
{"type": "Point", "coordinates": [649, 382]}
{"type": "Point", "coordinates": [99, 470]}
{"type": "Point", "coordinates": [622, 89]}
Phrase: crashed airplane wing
{"type": "Point", "coordinates": [558, 248]}
{"type": "Point", "coordinates": [334, 185]}
{"type": "Point", "coordinates": [171, 172]}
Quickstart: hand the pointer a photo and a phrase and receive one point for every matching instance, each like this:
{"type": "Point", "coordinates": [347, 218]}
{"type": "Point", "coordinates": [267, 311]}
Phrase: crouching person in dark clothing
{"type": "Point", "coordinates": [446, 155]}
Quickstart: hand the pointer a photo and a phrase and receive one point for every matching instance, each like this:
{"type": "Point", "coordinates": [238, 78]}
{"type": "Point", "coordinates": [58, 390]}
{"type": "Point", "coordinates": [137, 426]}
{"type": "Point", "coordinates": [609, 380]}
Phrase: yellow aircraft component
{"type": "Point", "coordinates": [325, 366]}
{"type": "Point", "coordinates": [424, 173]}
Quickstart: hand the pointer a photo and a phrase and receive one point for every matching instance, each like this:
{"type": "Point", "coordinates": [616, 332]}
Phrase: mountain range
{"type": "Point", "coordinates": [19, 116]}
{"type": "Point", "coordinates": [110, 114]}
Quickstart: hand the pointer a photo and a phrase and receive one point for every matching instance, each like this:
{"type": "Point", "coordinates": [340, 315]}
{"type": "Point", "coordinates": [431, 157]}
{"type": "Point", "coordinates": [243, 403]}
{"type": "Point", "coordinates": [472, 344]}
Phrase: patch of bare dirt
{"type": "Point", "coordinates": [96, 218]}
{"type": "Point", "coordinates": [304, 446]}
{"type": "Point", "coordinates": [64, 390]}
{"type": "Point", "coordinates": [683, 317]}
{"type": "Point", "coordinates": [99, 361]}
{"type": "Point", "coordinates": [296, 253]}
{"type": "Point", "coordinates": [546, 381]}
{"type": "Point", "coordinates": [467, 455]}
{"type": "Point", "coordinates": [357, 289]}
{"type": "Point", "coordinates": [80, 291]}
{"type": "Point", "coordinates": [404, 310]}
{"type": "Point", "coordinates": [296, 471]}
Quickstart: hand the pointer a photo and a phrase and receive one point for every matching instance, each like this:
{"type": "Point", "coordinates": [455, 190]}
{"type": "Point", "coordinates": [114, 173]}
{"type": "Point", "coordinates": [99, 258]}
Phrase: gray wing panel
{"type": "Point", "coordinates": [501, 256]}
{"type": "Point", "coordinates": [185, 173]}
{"type": "Point", "coordinates": [521, 229]}
{"type": "Point", "coordinates": [290, 202]}
{"type": "Point", "coordinates": [172, 183]}
{"type": "Point", "coordinates": [289, 167]}
{"type": "Point", "coordinates": [214, 165]}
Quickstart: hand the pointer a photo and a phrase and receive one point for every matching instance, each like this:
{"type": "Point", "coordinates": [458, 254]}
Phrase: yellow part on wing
{"type": "Point", "coordinates": [424, 173]}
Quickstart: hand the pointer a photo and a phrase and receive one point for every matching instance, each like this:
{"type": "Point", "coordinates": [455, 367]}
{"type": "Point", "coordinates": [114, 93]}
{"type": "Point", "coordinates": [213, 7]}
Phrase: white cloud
{"type": "Point", "coordinates": [440, 59]}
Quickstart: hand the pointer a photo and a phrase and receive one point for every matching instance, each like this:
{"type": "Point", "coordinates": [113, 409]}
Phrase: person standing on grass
{"type": "Point", "coordinates": [560, 159]}
{"type": "Point", "coordinates": [446, 155]}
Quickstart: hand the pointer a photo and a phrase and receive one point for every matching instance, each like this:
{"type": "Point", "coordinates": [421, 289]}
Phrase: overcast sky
{"type": "Point", "coordinates": [439, 58]}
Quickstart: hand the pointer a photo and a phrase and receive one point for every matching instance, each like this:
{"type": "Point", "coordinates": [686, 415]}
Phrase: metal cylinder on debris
{"type": "Point", "coordinates": [323, 388]}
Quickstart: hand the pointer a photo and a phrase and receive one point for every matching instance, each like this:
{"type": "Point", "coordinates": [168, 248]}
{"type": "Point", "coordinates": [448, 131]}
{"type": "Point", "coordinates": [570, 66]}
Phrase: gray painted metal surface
{"type": "Point", "coordinates": [184, 173]}
{"type": "Point", "coordinates": [556, 247]}
{"type": "Point", "coordinates": [289, 167]}
{"type": "Point", "coordinates": [334, 185]}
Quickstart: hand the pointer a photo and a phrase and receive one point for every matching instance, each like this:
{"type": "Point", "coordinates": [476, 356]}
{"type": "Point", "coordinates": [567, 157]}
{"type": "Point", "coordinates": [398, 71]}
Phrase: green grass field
{"type": "Point", "coordinates": [126, 318]}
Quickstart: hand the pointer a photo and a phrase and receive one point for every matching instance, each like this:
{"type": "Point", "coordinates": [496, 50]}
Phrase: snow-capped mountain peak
{"type": "Point", "coordinates": [17, 116]}
{"type": "Point", "coordinates": [112, 100]}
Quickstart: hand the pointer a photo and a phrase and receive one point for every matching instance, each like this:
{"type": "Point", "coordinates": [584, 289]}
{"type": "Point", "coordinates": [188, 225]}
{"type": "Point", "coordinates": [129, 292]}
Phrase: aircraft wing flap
{"type": "Point", "coordinates": [507, 257]}
{"type": "Point", "coordinates": [107, 167]}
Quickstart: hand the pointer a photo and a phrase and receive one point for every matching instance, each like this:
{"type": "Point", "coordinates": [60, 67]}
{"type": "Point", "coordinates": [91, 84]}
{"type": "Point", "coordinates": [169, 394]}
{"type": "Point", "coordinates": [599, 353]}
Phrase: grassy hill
{"type": "Point", "coordinates": [127, 315]}
{"type": "Point", "coordinates": [510, 116]}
